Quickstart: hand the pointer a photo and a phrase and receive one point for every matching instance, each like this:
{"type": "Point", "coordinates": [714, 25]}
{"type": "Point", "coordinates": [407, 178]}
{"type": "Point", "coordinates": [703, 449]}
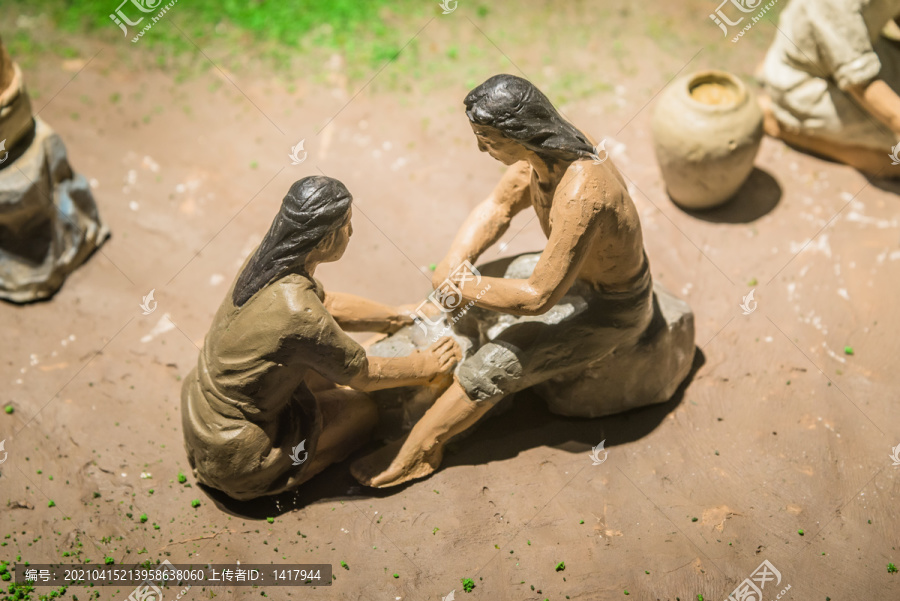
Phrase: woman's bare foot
{"type": "Point", "coordinates": [395, 464]}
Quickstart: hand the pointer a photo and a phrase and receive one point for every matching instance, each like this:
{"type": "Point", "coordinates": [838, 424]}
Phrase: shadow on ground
{"type": "Point", "coordinates": [757, 197]}
{"type": "Point", "coordinates": [525, 425]}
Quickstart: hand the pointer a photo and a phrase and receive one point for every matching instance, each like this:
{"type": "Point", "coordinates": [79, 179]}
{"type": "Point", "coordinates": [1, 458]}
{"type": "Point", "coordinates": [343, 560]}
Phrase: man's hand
{"type": "Point", "coordinates": [455, 276]}
{"type": "Point", "coordinates": [442, 271]}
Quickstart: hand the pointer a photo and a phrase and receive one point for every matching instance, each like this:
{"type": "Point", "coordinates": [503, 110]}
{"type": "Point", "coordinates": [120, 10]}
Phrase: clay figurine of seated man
{"type": "Point", "coordinates": [594, 244]}
{"type": "Point", "coordinates": [279, 391]}
{"type": "Point", "coordinates": [833, 82]}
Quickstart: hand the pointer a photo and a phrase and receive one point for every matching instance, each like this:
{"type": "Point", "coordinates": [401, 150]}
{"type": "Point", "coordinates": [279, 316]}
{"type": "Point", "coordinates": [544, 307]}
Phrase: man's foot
{"type": "Point", "coordinates": [395, 464]}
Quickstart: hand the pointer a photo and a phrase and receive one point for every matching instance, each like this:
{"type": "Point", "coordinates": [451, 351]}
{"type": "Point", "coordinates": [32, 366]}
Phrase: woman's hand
{"type": "Point", "coordinates": [402, 318]}
{"type": "Point", "coordinates": [419, 368]}
{"type": "Point", "coordinates": [440, 358]}
{"type": "Point", "coordinates": [406, 315]}
{"type": "Point", "coordinates": [428, 309]}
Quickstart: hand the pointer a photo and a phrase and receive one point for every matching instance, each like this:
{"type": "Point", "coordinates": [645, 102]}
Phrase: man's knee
{"type": "Point", "coordinates": [490, 374]}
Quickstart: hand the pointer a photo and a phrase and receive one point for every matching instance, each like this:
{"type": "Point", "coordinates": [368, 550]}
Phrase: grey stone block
{"type": "Point", "coordinates": [648, 372]}
{"type": "Point", "coordinates": [644, 374]}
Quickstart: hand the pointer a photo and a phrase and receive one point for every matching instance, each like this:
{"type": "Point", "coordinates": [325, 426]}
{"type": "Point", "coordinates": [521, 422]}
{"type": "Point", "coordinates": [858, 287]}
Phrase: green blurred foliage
{"type": "Point", "coordinates": [366, 32]}
{"type": "Point", "coordinates": [285, 21]}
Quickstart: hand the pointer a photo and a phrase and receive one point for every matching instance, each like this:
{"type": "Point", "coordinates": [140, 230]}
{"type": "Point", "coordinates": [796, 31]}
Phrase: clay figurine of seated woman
{"type": "Point", "coordinates": [279, 391]}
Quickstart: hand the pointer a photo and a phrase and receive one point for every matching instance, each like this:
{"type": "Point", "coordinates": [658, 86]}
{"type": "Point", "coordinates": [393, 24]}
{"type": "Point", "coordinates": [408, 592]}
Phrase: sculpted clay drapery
{"type": "Point", "coordinates": [246, 404]}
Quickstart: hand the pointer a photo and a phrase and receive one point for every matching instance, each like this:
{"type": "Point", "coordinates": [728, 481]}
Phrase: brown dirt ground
{"type": "Point", "coordinates": [776, 431]}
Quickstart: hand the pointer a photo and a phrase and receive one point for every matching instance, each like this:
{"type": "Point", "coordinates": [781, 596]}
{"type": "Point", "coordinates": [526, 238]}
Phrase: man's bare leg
{"type": "Point", "coordinates": [423, 449]}
{"type": "Point", "coordinates": [867, 160]}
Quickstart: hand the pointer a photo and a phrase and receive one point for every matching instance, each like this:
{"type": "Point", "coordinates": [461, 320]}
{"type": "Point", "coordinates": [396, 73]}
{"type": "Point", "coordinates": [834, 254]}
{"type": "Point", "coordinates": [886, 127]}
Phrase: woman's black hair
{"type": "Point", "coordinates": [519, 111]}
{"type": "Point", "coordinates": [314, 207]}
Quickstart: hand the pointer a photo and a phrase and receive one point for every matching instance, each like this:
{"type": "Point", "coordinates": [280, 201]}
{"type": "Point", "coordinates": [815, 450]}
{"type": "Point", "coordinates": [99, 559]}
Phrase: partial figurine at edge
{"type": "Point", "coordinates": [582, 321]}
{"type": "Point", "coordinates": [49, 222]}
{"type": "Point", "coordinates": [834, 82]}
{"type": "Point", "coordinates": [277, 370]}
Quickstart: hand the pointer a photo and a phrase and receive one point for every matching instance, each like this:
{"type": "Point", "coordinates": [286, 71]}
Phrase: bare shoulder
{"type": "Point", "coordinates": [597, 186]}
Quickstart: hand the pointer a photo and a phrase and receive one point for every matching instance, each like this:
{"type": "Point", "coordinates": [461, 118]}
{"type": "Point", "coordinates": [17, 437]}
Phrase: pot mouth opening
{"type": "Point", "coordinates": [716, 90]}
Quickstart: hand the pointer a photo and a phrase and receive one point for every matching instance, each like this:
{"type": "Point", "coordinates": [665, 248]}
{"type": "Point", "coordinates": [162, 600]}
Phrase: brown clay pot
{"type": "Point", "coordinates": [707, 128]}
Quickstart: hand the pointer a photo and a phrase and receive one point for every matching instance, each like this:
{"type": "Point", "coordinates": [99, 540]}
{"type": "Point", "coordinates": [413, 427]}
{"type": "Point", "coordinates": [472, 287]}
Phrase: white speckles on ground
{"type": "Point", "coordinates": [161, 327]}
{"type": "Point", "coordinates": [819, 245]}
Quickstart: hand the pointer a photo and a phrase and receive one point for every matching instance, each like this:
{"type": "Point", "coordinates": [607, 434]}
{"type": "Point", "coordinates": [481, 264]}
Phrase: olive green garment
{"type": "Point", "coordinates": [246, 404]}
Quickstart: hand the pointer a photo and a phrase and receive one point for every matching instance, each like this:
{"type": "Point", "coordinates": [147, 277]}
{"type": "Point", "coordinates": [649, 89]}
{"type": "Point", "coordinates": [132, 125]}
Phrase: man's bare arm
{"type": "Point", "coordinates": [575, 224]}
{"type": "Point", "coordinates": [881, 101]}
{"type": "Point", "coordinates": [488, 221]}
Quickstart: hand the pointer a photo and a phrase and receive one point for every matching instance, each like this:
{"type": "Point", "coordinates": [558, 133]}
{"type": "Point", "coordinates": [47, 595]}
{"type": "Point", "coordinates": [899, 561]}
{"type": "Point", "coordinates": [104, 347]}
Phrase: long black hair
{"type": "Point", "coordinates": [313, 208]}
{"type": "Point", "coordinates": [519, 111]}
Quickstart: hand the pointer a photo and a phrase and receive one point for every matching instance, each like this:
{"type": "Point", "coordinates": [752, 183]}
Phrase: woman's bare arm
{"type": "Point", "coordinates": [416, 369]}
{"type": "Point", "coordinates": [357, 314]}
